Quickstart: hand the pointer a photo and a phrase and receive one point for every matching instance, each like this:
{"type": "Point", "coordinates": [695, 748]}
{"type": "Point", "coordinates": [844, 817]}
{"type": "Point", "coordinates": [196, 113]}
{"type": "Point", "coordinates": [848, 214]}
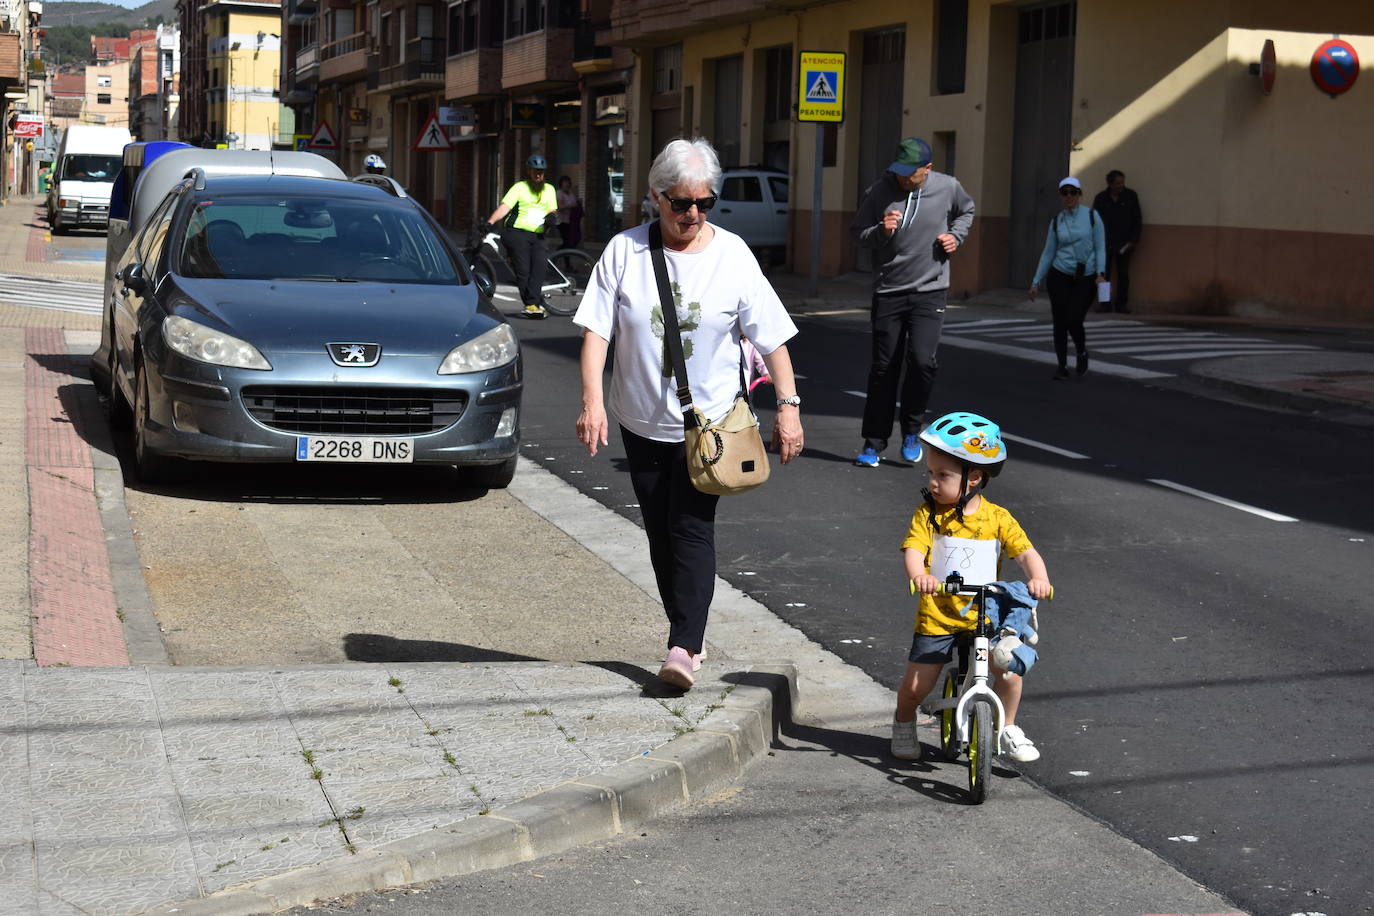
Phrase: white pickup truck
{"type": "Point", "coordinates": [87, 162]}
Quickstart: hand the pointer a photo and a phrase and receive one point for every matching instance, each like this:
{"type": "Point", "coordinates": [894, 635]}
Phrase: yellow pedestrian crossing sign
{"type": "Point", "coordinates": [821, 87]}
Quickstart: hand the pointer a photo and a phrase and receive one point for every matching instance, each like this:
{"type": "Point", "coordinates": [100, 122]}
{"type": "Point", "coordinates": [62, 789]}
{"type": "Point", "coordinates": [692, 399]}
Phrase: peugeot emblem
{"type": "Point", "coordinates": [355, 354]}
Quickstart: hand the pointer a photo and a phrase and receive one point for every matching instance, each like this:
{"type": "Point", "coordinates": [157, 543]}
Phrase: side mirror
{"type": "Point", "coordinates": [132, 278]}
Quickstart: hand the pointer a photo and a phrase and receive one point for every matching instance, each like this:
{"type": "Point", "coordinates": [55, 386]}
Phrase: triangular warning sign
{"type": "Point", "coordinates": [821, 90]}
{"type": "Point", "coordinates": [432, 137]}
{"type": "Point", "coordinates": [323, 137]}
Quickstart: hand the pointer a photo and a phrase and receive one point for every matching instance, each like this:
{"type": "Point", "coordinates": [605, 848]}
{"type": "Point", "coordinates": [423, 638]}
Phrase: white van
{"type": "Point", "coordinates": [87, 162]}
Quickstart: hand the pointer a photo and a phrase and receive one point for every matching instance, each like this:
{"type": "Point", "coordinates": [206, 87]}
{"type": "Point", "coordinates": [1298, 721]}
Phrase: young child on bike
{"type": "Point", "coordinates": [957, 530]}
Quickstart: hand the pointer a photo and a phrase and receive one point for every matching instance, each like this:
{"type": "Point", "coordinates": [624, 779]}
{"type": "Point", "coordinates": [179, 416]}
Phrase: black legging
{"type": "Point", "coordinates": [528, 259]}
{"type": "Point", "coordinates": [906, 329]}
{"type": "Point", "coordinates": [1070, 300]}
{"type": "Point", "coordinates": [680, 522]}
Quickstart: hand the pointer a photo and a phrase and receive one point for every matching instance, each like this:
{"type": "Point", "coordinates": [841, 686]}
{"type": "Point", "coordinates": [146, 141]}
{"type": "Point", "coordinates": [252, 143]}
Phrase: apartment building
{"type": "Point", "coordinates": [1013, 96]}
{"type": "Point", "coordinates": [231, 54]}
{"type": "Point", "coordinates": [22, 92]}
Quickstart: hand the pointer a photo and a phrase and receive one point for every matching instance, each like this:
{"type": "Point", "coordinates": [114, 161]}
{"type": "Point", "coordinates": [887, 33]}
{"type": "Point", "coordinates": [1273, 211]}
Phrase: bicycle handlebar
{"type": "Point", "coordinates": [959, 588]}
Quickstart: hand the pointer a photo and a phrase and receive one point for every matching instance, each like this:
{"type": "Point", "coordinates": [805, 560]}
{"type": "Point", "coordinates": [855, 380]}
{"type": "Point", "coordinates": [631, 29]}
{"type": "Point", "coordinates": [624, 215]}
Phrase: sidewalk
{"type": "Point", "coordinates": [134, 785]}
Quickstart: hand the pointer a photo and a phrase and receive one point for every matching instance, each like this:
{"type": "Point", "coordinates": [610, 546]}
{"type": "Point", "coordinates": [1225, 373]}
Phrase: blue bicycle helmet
{"type": "Point", "coordinates": [537, 162]}
{"type": "Point", "coordinates": [968, 438]}
{"type": "Point", "coordinates": [971, 440]}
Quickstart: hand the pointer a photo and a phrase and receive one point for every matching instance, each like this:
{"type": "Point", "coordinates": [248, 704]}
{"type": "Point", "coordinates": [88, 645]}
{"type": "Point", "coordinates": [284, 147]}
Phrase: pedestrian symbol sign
{"type": "Point", "coordinates": [821, 87]}
{"type": "Point", "coordinates": [432, 137]}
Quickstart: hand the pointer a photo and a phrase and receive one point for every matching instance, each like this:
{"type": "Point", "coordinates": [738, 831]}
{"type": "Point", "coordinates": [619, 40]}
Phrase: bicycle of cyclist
{"type": "Point", "coordinates": [567, 271]}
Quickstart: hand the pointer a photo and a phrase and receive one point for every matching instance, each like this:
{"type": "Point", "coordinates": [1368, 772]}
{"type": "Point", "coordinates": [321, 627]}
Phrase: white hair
{"type": "Point", "coordinates": [686, 162]}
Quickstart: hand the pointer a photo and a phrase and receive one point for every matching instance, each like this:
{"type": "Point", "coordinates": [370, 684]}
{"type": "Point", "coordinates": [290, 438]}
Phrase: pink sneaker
{"type": "Point", "coordinates": [697, 660]}
{"type": "Point", "coordinates": [677, 670]}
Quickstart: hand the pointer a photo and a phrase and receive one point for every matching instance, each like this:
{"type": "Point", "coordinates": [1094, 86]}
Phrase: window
{"type": "Point", "coordinates": [951, 45]}
{"type": "Point", "coordinates": [743, 188]}
{"type": "Point", "coordinates": [778, 185]}
{"type": "Point", "coordinates": [523, 17]}
{"type": "Point", "coordinates": [668, 69]}
{"type": "Point", "coordinates": [104, 81]}
{"type": "Point", "coordinates": [102, 98]}
{"type": "Point", "coordinates": [1046, 23]}
{"type": "Point", "coordinates": [777, 83]}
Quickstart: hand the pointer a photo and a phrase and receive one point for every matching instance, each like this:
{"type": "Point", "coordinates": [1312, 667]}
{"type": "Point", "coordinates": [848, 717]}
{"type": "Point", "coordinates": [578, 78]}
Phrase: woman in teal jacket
{"type": "Point", "coordinates": [1071, 266]}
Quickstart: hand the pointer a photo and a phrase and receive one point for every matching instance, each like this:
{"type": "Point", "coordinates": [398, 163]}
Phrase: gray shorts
{"type": "Point", "coordinates": [933, 650]}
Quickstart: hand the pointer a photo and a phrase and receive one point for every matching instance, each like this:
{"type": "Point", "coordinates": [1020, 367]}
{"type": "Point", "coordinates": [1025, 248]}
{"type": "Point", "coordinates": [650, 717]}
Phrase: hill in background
{"type": "Point", "coordinates": [69, 27]}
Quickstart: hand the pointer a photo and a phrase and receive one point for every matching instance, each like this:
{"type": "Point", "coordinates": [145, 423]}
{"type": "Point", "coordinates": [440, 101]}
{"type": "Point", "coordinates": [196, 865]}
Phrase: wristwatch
{"type": "Point", "coordinates": [794, 400]}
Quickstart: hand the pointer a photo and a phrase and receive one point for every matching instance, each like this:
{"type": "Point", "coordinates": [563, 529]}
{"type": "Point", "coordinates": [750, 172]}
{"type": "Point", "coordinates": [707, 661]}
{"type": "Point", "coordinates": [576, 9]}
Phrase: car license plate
{"type": "Point", "coordinates": [355, 449]}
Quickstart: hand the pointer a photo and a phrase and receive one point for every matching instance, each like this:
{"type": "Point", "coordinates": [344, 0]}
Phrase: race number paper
{"type": "Point", "coordinates": [975, 560]}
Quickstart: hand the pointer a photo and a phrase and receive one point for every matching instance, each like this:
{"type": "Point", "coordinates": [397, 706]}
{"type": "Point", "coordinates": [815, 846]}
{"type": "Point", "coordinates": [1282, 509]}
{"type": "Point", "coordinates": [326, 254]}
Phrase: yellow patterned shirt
{"type": "Point", "coordinates": [974, 547]}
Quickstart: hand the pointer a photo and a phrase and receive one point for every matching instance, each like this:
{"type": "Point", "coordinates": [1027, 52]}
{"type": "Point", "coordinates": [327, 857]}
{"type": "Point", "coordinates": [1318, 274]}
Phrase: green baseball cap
{"type": "Point", "coordinates": [912, 153]}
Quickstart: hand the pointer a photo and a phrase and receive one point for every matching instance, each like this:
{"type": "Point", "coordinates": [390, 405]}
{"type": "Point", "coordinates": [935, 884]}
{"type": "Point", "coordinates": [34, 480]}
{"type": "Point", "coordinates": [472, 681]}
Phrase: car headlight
{"type": "Point", "coordinates": [196, 341]}
{"type": "Point", "coordinates": [494, 348]}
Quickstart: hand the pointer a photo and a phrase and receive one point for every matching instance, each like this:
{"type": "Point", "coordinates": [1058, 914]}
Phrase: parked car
{"type": "Point", "coordinates": [296, 318]}
{"type": "Point", "coordinates": [753, 203]}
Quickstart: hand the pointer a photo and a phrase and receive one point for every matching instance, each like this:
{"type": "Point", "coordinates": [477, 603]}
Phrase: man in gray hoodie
{"type": "Point", "coordinates": [914, 219]}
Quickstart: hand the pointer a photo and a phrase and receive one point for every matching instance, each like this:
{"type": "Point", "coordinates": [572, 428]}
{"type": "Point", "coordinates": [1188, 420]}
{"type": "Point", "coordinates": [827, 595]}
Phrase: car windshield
{"type": "Point", "coordinates": [91, 167]}
{"type": "Point", "coordinates": [274, 238]}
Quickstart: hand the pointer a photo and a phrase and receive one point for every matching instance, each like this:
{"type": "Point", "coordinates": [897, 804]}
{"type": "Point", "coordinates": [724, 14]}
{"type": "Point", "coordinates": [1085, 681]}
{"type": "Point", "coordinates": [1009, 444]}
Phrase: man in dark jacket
{"type": "Point", "coordinates": [914, 219]}
{"type": "Point", "coordinates": [1119, 208]}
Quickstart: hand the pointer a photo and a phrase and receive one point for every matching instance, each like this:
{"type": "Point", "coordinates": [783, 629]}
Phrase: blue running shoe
{"type": "Point", "coordinates": [911, 449]}
{"type": "Point", "coordinates": [868, 458]}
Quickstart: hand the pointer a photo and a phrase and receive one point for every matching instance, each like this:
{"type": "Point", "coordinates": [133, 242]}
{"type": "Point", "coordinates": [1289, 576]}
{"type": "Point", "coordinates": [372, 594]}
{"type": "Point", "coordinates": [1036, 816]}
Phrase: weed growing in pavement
{"type": "Point", "coordinates": [589, 718]}
{"type": "Point", "coordinates": [119, 612]}
{"type": "Point", "coordinates": [680, 730]}
{"type": "Point", "coordinates": [394, 682]}
{"type": "Point", "coordinates": [271, 846]}
{"type": "Point", "coordinates": [538, 712]}
{"type": "Point", "coordinates": [451, 760]}
{"type": "Point", "coordinates": [565, 733]}
{"type": "Point", "coordinates": [225, 864]}
{"type": "Point", "coordinates": [486, 810]}
{"type": "Point", "coordinates": [316, 774]}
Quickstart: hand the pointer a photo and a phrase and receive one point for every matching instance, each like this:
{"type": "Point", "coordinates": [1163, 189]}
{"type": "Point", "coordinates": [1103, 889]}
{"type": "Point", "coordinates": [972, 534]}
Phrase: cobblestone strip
{"type": "Point", "coordinates": [72, 596]}
{"type": "Point", "coordinates": [36, 250]}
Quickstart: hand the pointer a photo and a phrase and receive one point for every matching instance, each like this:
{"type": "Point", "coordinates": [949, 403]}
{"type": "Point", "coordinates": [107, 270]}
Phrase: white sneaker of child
{"type": "Point", "coordinates": [1017, 746]}
{"type": "Point", "coordinates": [904, 743]}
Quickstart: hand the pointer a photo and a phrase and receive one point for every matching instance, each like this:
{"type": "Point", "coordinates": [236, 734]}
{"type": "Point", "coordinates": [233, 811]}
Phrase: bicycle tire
{"type": "Point", "coordinates": [981, 748]}
{"type": "Point", "coordinates": [576, 265]}
{"type": "Point", "coordinates": [944, 718]}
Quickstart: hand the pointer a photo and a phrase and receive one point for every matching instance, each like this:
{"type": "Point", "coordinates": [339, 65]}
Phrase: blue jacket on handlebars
{"type": "Point", "coordinates": [1012, 612]}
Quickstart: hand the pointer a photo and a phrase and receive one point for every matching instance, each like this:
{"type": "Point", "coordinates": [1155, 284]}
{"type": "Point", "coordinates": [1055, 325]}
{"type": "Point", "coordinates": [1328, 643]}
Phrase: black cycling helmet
{"type": "Point", "coordinates": [537, 162]}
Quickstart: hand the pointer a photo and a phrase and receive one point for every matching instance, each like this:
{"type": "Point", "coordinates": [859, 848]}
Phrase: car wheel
{"type": "Point", "coordinates": [152, 468]}
{"type": "Point", "coordinates": [58, 227]}
{"type": "Point", "coordinates": [487, 476]}
{"type": "Point", "coordinates": [121, 414]}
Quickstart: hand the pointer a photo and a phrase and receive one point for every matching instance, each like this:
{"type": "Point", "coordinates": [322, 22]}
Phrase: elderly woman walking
{"type": "Point", "coordinates": [1071, 265]}
{"type": "Point", "coordinates": [720, 295]}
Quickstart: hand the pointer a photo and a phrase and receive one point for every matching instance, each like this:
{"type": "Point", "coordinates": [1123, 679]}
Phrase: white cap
{"type": "Point", "coordinates": [1071, 182]}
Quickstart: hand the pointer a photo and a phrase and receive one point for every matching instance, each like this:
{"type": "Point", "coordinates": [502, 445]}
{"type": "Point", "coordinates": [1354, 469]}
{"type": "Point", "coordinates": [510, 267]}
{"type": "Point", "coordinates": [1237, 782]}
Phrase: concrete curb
{"type": "Point", "coordinates": [600, 807]}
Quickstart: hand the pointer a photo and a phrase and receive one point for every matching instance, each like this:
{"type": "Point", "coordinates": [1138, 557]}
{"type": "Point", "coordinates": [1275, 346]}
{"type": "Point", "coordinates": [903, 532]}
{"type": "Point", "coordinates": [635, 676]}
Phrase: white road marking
{"type": "Point", "coordinates": [1041, 445]}
{"type": "Point", "coordinates": [1041, 356]}
{"type": "Point", "coordinates": [54, 295]}
{"type": "Point", "coordinates": [1206, 354]}
{"type": "Point", "coordinates": [1190, 348]}
{"type": "Point", "coordinates": [986, 323]}
{"type": "Point", "coordinates": [1221, 500]}
{"type": "Point", "coordinates": [857, 394]}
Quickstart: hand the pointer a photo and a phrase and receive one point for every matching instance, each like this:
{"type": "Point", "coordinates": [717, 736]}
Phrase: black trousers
{"type": "Point", "coordinates": [1070, 300]}
{"type": "Point", "coordinates": [1121, 284]}
{"type": "Point", "coordinates": [906, 329]}
{"type": "Point", "coordinates": [680, 521]}
{"type": "Point", "coordinates": [528, 259]}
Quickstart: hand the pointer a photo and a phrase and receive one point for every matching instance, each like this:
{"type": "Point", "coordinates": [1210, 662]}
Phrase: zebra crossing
{"type": "Point", "coordinates": [57, 295]}
{"type": "Point", "coordinates": [1126, 342]}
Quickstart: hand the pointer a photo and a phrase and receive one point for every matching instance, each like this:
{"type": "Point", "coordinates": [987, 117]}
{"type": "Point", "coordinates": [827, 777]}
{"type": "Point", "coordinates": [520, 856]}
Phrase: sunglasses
{"type": "Point", "coordinates": [1066, 192]}
{"type": "Point", "coordinates": [683, 204]}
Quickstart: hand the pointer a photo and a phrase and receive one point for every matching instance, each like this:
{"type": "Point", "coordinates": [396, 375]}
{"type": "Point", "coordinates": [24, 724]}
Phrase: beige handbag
{"type": "Point", "coordinates": [726, 456]}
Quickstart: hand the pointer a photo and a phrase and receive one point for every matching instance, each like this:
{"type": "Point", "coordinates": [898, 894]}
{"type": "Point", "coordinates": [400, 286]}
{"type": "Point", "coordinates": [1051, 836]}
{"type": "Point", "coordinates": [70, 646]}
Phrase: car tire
{"type": "Point", "coordinates": [121, 414]}
{"type": "Point", "coordinates": [58, 227]}
{"type": "Point", "coordinates": [487, 476]}
{"type": "Point", "coordinates": [152, 468]}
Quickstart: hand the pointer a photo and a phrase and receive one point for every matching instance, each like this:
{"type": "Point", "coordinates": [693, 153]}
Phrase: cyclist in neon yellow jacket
{"type": "Point", "coordinates": [535, 203]}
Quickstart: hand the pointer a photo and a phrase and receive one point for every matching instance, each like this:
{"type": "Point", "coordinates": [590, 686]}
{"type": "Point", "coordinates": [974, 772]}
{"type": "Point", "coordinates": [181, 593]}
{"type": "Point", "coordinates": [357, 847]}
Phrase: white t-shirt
{"type": "Point", "coordinates": [721, 295]}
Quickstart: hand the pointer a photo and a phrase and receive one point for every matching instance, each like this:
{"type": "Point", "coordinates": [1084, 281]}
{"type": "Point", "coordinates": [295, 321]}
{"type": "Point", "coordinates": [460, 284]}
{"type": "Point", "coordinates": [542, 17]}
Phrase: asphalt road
{"type": "Point", "coordinates": [1195, 691]}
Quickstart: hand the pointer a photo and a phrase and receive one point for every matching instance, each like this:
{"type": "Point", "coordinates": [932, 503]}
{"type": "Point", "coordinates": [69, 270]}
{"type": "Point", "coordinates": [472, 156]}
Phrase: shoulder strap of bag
{"type": "Point", "coordinates": [672, 337]}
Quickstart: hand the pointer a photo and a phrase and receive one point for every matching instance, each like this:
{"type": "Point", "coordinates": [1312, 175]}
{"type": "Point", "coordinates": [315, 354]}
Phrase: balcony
{"type": "Point", "coordinates": [11, 63]}
{"type": "Point", "coordinates": [474, 75]}
{"type": "Point", "coordinates": [301, 11]}
{"type": "Point", "coordinates": [308, 63]}
{"type": "Point", "coordinates": [538, 61]}
{"type": "Point", "coordinates": [638, 23]}
{"type": "Point", "coordinates": [422, 68]}
{"type": "Point", "coordinates": [588, 56]}
{"type": "Point", "coordinates": [344, 58]}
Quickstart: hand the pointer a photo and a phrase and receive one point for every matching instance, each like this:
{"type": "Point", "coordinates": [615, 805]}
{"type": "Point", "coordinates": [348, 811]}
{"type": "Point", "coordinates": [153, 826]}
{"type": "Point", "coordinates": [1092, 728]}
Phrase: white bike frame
{"type": "Point", "coordinates": [975, 684]}
{"type": "Point", "coordinates": [493, 241]}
